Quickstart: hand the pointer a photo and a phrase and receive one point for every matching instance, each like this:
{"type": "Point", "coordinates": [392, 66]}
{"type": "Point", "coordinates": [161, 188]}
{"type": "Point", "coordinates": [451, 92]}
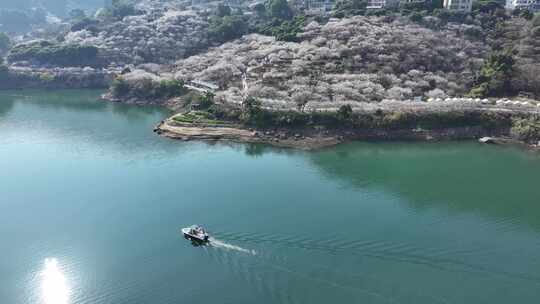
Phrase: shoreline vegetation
{"type": "Point", "coordinates": [200, 115]}
{"type": "Point", "coordinates": [309, 131]}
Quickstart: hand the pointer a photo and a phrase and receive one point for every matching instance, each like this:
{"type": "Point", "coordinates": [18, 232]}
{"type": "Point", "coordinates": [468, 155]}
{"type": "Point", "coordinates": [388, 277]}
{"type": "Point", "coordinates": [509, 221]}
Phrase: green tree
{"type": "Point", "coordinates": [288, 30]}
{"type": "Point", "coordinates": [279, 9]}
{"type": "Point", "coordinates": [495, 78]}
{"type": "Point", "coordinates": [5, 43]}
{"type": "Point", "coordinates": [123, 8]}
{"type": "Point", "coordinates": [119, 87]}
{"type": "Point", "coordinates": [3, 69]}
{"type": "Point", "coordinates": [252, 112]}
{"type": "Point", "coordinates": [536, 20]}
{"type": "Point", "coordinates": [345, 112]}
{"type": "Point", "coordinates": [223, 10]}
{"type": "Point", "coordinates": [227, 28]}
{"type": "Point", "coordinates": [416, 17]}
{"type": "Point", "coordinates": [169, 88]}
{"type": "Point", "coordinates": [206, 100]}
{"type": "Point", "coordinates": [347, 8]}
{"type": "Point", "coordinates": [260, 9]}
{"type": "Point", "coordinates": [527, 129]}
{"type": "Point", "coordinates": [487, 6]}
{"type": "Point", "coordinates": [420, 6]}
{"type": "Point", "coordinates": [85, 23]}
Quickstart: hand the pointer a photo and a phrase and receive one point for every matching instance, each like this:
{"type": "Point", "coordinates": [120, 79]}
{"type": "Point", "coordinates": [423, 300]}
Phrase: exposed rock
{"type": "Point", "coordinates": [239, 134]}
{"type": "Point", "coordinates": [486, 140]}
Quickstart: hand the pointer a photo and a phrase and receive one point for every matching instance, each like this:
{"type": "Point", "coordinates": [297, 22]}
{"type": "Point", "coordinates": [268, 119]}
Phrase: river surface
{"type": "Point", "coordinates": [91, 204]}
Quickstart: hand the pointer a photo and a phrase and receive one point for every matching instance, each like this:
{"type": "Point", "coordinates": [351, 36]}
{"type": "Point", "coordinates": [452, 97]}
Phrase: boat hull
{"type": "Point", "coordinates": [193, 237]}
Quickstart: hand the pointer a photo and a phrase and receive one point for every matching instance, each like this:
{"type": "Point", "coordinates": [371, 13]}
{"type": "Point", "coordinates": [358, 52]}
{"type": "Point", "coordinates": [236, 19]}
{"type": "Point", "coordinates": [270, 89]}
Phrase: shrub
{"type": "Point", "coordinates": [473, 33]}
{"type": "Point", "coordinates": [284, 30]}
{"type": "Point", "coordinates": [5, 43]}
{"type": "Point", "coordinates": [396, 120]}
{"type": "Point", "coordinates": [288, 30]}
{"type": "Point", "coordinates": [347, 8]}
{"type": "Point", "coordinates": [279, 9]}
{"type": "Point", "coordinates": [253, 114]}
{"type": "Point", "coordinates": [527, 129]}
{"type": "Point", "coordinates": [122, 8]}
{"type": "Point", "coordinates": [147, 88]}
{"type": "Point", "coordinates": [536, 20]}
{"type": "Point", "coordinates": [496, 75]}
{"type": "Point", "coordinates": [46, 77]}
{"type": "Point", "coordinates": [223, 10]}
{"type": "Point", "coordinates": [206, 100]}
{"type": "Point", "coordinates": [487, 6]}
{"type": "Point", "coordinates": [119, 87]}
{"type": "Point", "coordinates": [227, 28]}
{"type": "Point", "coordinates": [84, 23]}
{"type": "Point", "coordinates": [416, 17]}
{"type": "Point", "coordinates": [526, 14]}
{"type": "Point", "coordinates": [345, 112]}
{"type": "Point", "coordinates": [118, 10]}
{"type": "Point", "coordinates": [418, 7]}
{"type": "Point", "coordinates": [4, 70]}
{"type": "Point", "coordinates": [197, 100]}
{"type": "Point", "coordinates": [170, 88]}
{"type": "Point", "coordinates": [493, 120]}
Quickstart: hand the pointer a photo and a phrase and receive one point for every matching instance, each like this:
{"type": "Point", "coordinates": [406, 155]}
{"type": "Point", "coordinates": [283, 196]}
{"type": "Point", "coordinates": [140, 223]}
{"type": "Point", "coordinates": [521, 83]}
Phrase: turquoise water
{"type": "Point", "coordinates": [92, 202]}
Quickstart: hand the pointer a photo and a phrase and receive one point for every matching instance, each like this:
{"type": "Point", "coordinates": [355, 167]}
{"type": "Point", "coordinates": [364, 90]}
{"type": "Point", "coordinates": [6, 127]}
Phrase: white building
{"type": "Point", "coordinates": [315, 7]}
{"type": "Point", "coordinates": [411, 1]}
{"type": "Point", "coordinates": [233, 3]}
{"type": "Point", "coordinates": [532, 5]}
{"type": "Point", "coordinates": [201, 4]}
{"type": "Point", "coordinates": [458, 5]}
{"type": "Point", "coordinates": [378, 4]}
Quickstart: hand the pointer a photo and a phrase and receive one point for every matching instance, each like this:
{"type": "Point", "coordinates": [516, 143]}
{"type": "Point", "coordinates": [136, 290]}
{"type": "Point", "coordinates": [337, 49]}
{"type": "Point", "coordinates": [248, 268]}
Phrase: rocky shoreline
{"type": "Point", "coordinates": [313, 139]}
{"type": "Point", "coordinates": [307, 140]}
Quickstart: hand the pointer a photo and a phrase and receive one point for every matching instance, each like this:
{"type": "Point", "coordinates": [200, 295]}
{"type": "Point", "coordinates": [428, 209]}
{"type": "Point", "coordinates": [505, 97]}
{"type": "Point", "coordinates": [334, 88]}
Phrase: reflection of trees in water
{"type": "Point", "coordinates": [6, 105]}
{"type": "Point", "coordinates": [64, 99]}
{"type": "Point", "coordinates": [123, 128]}
{"type": "Point", "coordinates": [80, 100]}
{"type": "Point", "coordinates": [455, 177]}
{"type": "Point", "coordinates": [80, 115]}
{"type": "Point", "coordinates": [257, 150]}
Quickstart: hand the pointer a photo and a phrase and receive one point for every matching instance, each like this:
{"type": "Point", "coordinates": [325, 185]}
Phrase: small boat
{"type": "Point", "coordinates": [195, 233]}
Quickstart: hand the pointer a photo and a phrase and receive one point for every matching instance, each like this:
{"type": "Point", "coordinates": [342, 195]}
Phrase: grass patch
{"type": "Point", "coordinates": [198, 117]}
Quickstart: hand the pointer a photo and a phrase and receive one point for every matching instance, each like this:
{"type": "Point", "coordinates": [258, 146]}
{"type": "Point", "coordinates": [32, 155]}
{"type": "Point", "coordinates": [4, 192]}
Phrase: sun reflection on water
{"type": "Point", "coordinates": [53, 285]}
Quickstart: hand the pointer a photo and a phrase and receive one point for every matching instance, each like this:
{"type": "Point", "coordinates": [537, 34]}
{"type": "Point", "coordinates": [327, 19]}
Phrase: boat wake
{"type": "Point", "coordinates": [220, 244]}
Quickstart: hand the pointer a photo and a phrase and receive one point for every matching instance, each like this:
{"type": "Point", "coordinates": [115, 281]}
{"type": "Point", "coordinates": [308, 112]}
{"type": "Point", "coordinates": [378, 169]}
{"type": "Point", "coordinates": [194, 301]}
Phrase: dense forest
{"type": "Point", "coordinates": [351, 54]}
